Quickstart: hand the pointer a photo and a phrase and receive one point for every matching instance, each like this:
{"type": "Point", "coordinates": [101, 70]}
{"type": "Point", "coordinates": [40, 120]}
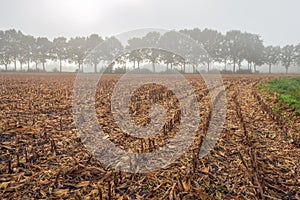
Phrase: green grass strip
{"type": "Point", "coordinates": [287, 91]}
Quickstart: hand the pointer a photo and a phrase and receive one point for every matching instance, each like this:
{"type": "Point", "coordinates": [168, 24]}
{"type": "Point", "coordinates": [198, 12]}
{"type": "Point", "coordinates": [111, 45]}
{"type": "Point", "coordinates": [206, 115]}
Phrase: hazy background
{"type": "Point", "coordinates": [277, 21]}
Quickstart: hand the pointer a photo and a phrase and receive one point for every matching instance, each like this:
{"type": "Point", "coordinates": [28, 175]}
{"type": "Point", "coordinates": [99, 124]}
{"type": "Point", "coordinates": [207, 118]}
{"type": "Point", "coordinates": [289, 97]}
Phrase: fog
{"type": "Point", "coordinates": [276, 21]}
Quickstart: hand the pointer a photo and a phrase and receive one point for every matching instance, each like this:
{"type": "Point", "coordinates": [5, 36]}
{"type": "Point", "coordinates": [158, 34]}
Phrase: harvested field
{"type": "Point", "coordinates": [42, 156]}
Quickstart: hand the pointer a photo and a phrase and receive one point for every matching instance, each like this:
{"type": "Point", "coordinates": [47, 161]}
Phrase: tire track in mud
{"type": "Point", "coordinates": [247, 160]}
{"type": "Point", "coordinates": [265, 138]}
{"type": "Point", "coordinates": [227, 171]}
{"type": "Point", "coordinates": [288, 122]}
{"type": "Point", "coordinates": [251, 167]}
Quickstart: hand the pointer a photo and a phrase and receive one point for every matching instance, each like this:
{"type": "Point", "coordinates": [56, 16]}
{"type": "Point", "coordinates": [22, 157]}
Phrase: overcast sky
{"type": "Point", "coordinates": [277, 21]}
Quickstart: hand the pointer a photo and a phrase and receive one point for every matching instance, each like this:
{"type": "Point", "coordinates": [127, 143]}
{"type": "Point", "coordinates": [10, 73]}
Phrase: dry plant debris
{"type": "Point", "coordinates": [42, 156]}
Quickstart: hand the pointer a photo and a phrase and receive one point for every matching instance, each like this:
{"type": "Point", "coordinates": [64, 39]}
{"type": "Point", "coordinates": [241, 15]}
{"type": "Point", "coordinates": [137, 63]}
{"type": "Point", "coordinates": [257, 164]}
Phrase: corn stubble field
{"type": "Point", "coordinates": [42, 157]}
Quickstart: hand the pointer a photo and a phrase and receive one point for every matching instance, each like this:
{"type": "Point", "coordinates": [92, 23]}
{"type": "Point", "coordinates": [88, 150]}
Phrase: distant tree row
{"type": "Point", "coordinates": [234, 48]}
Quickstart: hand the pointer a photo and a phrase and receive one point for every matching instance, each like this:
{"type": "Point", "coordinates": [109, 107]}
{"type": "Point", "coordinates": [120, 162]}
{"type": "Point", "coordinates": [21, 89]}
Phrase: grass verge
{"type": "Point", "coordinates": [287, 91]}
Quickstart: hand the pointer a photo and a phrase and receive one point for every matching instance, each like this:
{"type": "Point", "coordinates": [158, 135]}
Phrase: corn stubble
{"type": "Point", "coordinates": [42, 157]}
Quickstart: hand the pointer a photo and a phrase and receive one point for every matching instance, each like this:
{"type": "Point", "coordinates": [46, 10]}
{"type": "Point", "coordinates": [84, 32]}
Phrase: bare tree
{"type": "Point", "coordinates": [287, 56]}
{"type": "Point", "coordinates": [271, 56]}
{"type": "Point", "coordinates": [77, 51]}
{"type": "Point", "coordinates": [60, 50]}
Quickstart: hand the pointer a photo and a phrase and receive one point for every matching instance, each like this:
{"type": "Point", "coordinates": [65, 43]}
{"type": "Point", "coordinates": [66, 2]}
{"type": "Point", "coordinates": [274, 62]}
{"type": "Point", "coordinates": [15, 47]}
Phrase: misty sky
{"type": "Point", "coordinates": [277, 21]}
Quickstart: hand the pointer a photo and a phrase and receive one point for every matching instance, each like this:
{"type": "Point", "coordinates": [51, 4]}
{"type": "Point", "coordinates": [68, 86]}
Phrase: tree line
{"type": "Point", "coordinates": [234, 47]}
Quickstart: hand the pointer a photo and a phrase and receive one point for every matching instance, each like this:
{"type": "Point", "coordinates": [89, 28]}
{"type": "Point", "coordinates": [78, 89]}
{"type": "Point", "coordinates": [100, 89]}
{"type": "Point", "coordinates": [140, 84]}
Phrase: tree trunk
{"type": "Point", "coordinates": [21, 66]}
{"type": "Point", "coordinates": [208, 66]}
{"type": "Point", "coordinates": [138, 62]}
{"type": "Point", "coordinates": [184, 67]}
{"type": "Point", "coordinates": [15, 63]}
{"type": "Point", "coordinates": [28, 64]}
{"type": "Point", "coordinates": [234, 63]}
{"type": "Point", "coordinates": [225, 67]}
{"type": "Point", "coordinates": [286, 69]}
{"type": "Point", "coordinates": [5, 66]}
{"type": "Point", "coordinates": [36, 66]}
{"type": "Point", "coordinates": [44, 67]}
{"type": "Point", "coordinates": [134, 64]}
{"type": "Point", "coordinates": [270, 68]}
{"type": "Point", "coordinates": [167, 66]}
{"type": "Point", "coordinates": [95, 67]}
{"type": "Point", "coordinates": [60, 65]}
{"type": "Point", "coordinates": [153, 67]}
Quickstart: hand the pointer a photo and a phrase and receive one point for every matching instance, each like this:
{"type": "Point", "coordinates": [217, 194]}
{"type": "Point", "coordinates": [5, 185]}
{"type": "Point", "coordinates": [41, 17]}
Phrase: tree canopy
{"type": "Point", "coordinates": [233, 47]}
